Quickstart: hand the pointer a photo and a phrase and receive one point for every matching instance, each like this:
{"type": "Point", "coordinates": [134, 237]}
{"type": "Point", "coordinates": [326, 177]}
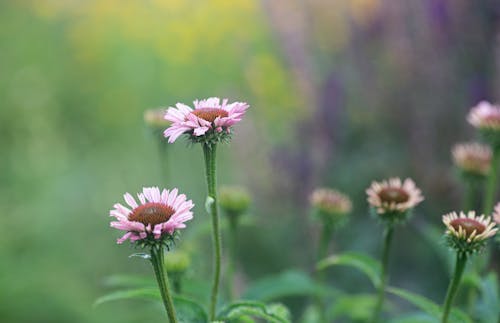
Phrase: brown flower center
{"type": "Point", "coordinates": [210, 114]}
{"type": "Point", "coordinates": [393, 195]}
{"type": "Point", "coordinates": [151, 213]}
{"type": "Point", "coordinates": [469, 225]}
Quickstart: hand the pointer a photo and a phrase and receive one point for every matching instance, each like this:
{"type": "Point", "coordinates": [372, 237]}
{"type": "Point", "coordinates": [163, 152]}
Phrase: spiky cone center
{"type": "Point", "coordinates": [468, 225]}
{"type": "Point", "coordinates": [210, 114]}
{"type": "Point", "coordinates": [393, 195]}
{"type": "Point", "coordinates": [151, 213]}
{"type": "Point", "coordinates": [468, 233]}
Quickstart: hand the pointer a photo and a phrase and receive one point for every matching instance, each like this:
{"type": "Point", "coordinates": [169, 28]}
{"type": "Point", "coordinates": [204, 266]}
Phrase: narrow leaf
{"type": "Point", "coordinates": [419, 301]}
{"type": "Point", "coordinates": [429, 306]}
{"type": "Point", "coordinates": [367, 265]}
{"type": "Point", "coordinates": [189, 311]}
{"type": "Point", "coordinates": [273, 313]}
{"type": "Point", "coordinates": [285, 284]}
{"type": "Point", "coordinates": [142, 293]}
{"type": "Point", "coordinates": [141, 255]}
{"type": "Point", "coordinates": [129, 281]}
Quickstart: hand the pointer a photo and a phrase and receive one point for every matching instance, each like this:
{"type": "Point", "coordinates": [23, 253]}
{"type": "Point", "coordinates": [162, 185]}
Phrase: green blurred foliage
{"type": "Point", "coordinates": [341, 93]}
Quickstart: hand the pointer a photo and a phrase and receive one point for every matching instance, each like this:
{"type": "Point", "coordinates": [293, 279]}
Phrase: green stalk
{"type": "Point", "coordinates": [491, 184]}
{"type": "Point", "coordinates": [324, 241]}
{"type": "Point", "coordinates": [210, 154]}
{"type": "Point", "coordinates": [162, 279]}
{"type": "Point", "coordinates": [384, 275]}
{"type": "Point", "coordinates": [231, 268]}
{"type": "Point", "coordinates": [453, 287]}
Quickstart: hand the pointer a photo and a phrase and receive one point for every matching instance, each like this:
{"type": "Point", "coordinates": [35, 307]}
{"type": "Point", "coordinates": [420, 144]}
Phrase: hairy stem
{"type": "Point", "coordinates": [210, 154]}
{"type": "Point", "coordinates": [161, 276]}
{"type": "Point", "coordinates": [231, 267]}
{"type": "Point", "coordinates": [384, 275]}
{"type": "Point", "coordinates": [324, 241]}
{"type": "Point", "coordinates": [453, 287]}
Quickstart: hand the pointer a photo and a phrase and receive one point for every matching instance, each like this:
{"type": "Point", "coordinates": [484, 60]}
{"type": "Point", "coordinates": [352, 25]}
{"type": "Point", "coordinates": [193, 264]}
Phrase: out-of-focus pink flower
{"type": "Point", "coordinates": [157, 215]}
{"type": "Point", "coordinates": [473, 157]}
{"type": "Point", "coordinates": [393, 195]}
{"type": "Point", "coordinates": [208, 117]}
{"type": "Point", "coordinates": [485, 116]}
{"type": "Point", "coordinates": [496, 213]}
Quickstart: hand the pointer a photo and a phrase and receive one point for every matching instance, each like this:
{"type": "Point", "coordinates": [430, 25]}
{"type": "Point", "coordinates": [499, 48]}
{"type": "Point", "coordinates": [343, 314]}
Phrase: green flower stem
{"type": "Point", "coordinates": [453, 287]}
{"type": "Point", "coordinates": [389, 231]}
{"type": "Point", "coordinates": [324, 241]}
{"type": "Point", "coordinates": [161, 277]}
{"type": "Point", "coordinates": [491, 184]}
{"type": "Point", "coordinates": [210, 153]}
{"type": "Point", "coordinates": [233, 246]}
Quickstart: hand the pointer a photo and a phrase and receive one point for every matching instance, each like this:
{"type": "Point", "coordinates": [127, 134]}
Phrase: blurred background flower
{"type": "Point", "coordinates": [341, 92]}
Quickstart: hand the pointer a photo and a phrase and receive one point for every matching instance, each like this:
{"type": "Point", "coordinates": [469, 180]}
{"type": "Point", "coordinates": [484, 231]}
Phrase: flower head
{"type": "Point", "coordinates": [496, 213]}
{"type": "Point", "coordinates": [467, 233]}
{"type": "Point", "coordinates": [177, 262]}
{"type": "Point", "coordinates": [392, 199]}
{"type": "Point", "coordinates": [486, 117]}
{"type": "Point", "coordinates": [473, 159]}
{"type": "Point", "coordinates": [209, 121]}
{"type": "Point", "coordinates": [155, 218]}
{"type": "Point", "coordinates": [330, 206]}
{"type": "Point", "coordinates": [234, 200]}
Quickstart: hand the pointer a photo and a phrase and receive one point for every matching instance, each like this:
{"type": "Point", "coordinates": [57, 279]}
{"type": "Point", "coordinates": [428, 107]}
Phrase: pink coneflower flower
{"type": "Point", "coordinates": [393, 198]}
{"type": "Point", "coordinates": [472, 158]}
{"type": "Point", "coordinates": [157, 215]}
{"type": "Point", "coordinates": [330, 201]}
{"type": "Point", "coordinates": [209, 118]}
{"type": "Point", "coordinates": [330, 206]}
{"type": "Point", "coordinates": [468, 232]}
{"type": "Point", "coordinates": [485, 116]}
{"type": "Point", "coordinates": [496, 213]}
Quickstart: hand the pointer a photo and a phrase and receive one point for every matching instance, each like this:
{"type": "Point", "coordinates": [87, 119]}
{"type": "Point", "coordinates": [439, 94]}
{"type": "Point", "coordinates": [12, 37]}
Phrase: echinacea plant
{"type": "Point", "coordinates": [391, 201]}
{"type": "Point", "coordinates": [208, 123]}
{"type": "Point", "coordinates": [234, 202]}
{"type": "Point", "coordinates": [473, 161]}
{"type": "Point", "coordinates": [153, 223]}
{"type": "Point", "coordinates": [331, 208]}
{"type": "Point", "coordinates": [486, 118]}
{"type": "Point", "coordinates": [466, 234]}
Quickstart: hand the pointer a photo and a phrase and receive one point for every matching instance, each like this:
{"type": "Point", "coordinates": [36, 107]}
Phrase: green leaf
{"type": "Point", "coordinates": [421, 302]}
{"type": "Point", "coordinates": [285, 284]}
{"type": "Point", "coordinates": [428, 306]}
{"type": "Point", "coordinates": [208, 204]}
{"type": "Point", "coordinates": [369, 266]}
{"type": "Point", "coordinates": [355, 307]}
{"type": "Point", "coordinates": [129, 281]}
{"type": "Point", "coordinates": [141, 293]}
{"type": "Point", "coordinates": [189, 311]}
{"type": "Point", "coordinates": [415, 318]}
{"type": "Point", "coordinates": [488, 307]}
{"type": "Point", "coordinates": [273, 313]}
{"type": "Point", "coordinates": [142, 255]}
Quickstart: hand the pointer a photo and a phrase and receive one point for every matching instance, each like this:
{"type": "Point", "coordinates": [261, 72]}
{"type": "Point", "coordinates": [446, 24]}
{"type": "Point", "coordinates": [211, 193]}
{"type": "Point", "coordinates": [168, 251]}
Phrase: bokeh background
{"type": "Point", "coordinates": [341, 93]}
